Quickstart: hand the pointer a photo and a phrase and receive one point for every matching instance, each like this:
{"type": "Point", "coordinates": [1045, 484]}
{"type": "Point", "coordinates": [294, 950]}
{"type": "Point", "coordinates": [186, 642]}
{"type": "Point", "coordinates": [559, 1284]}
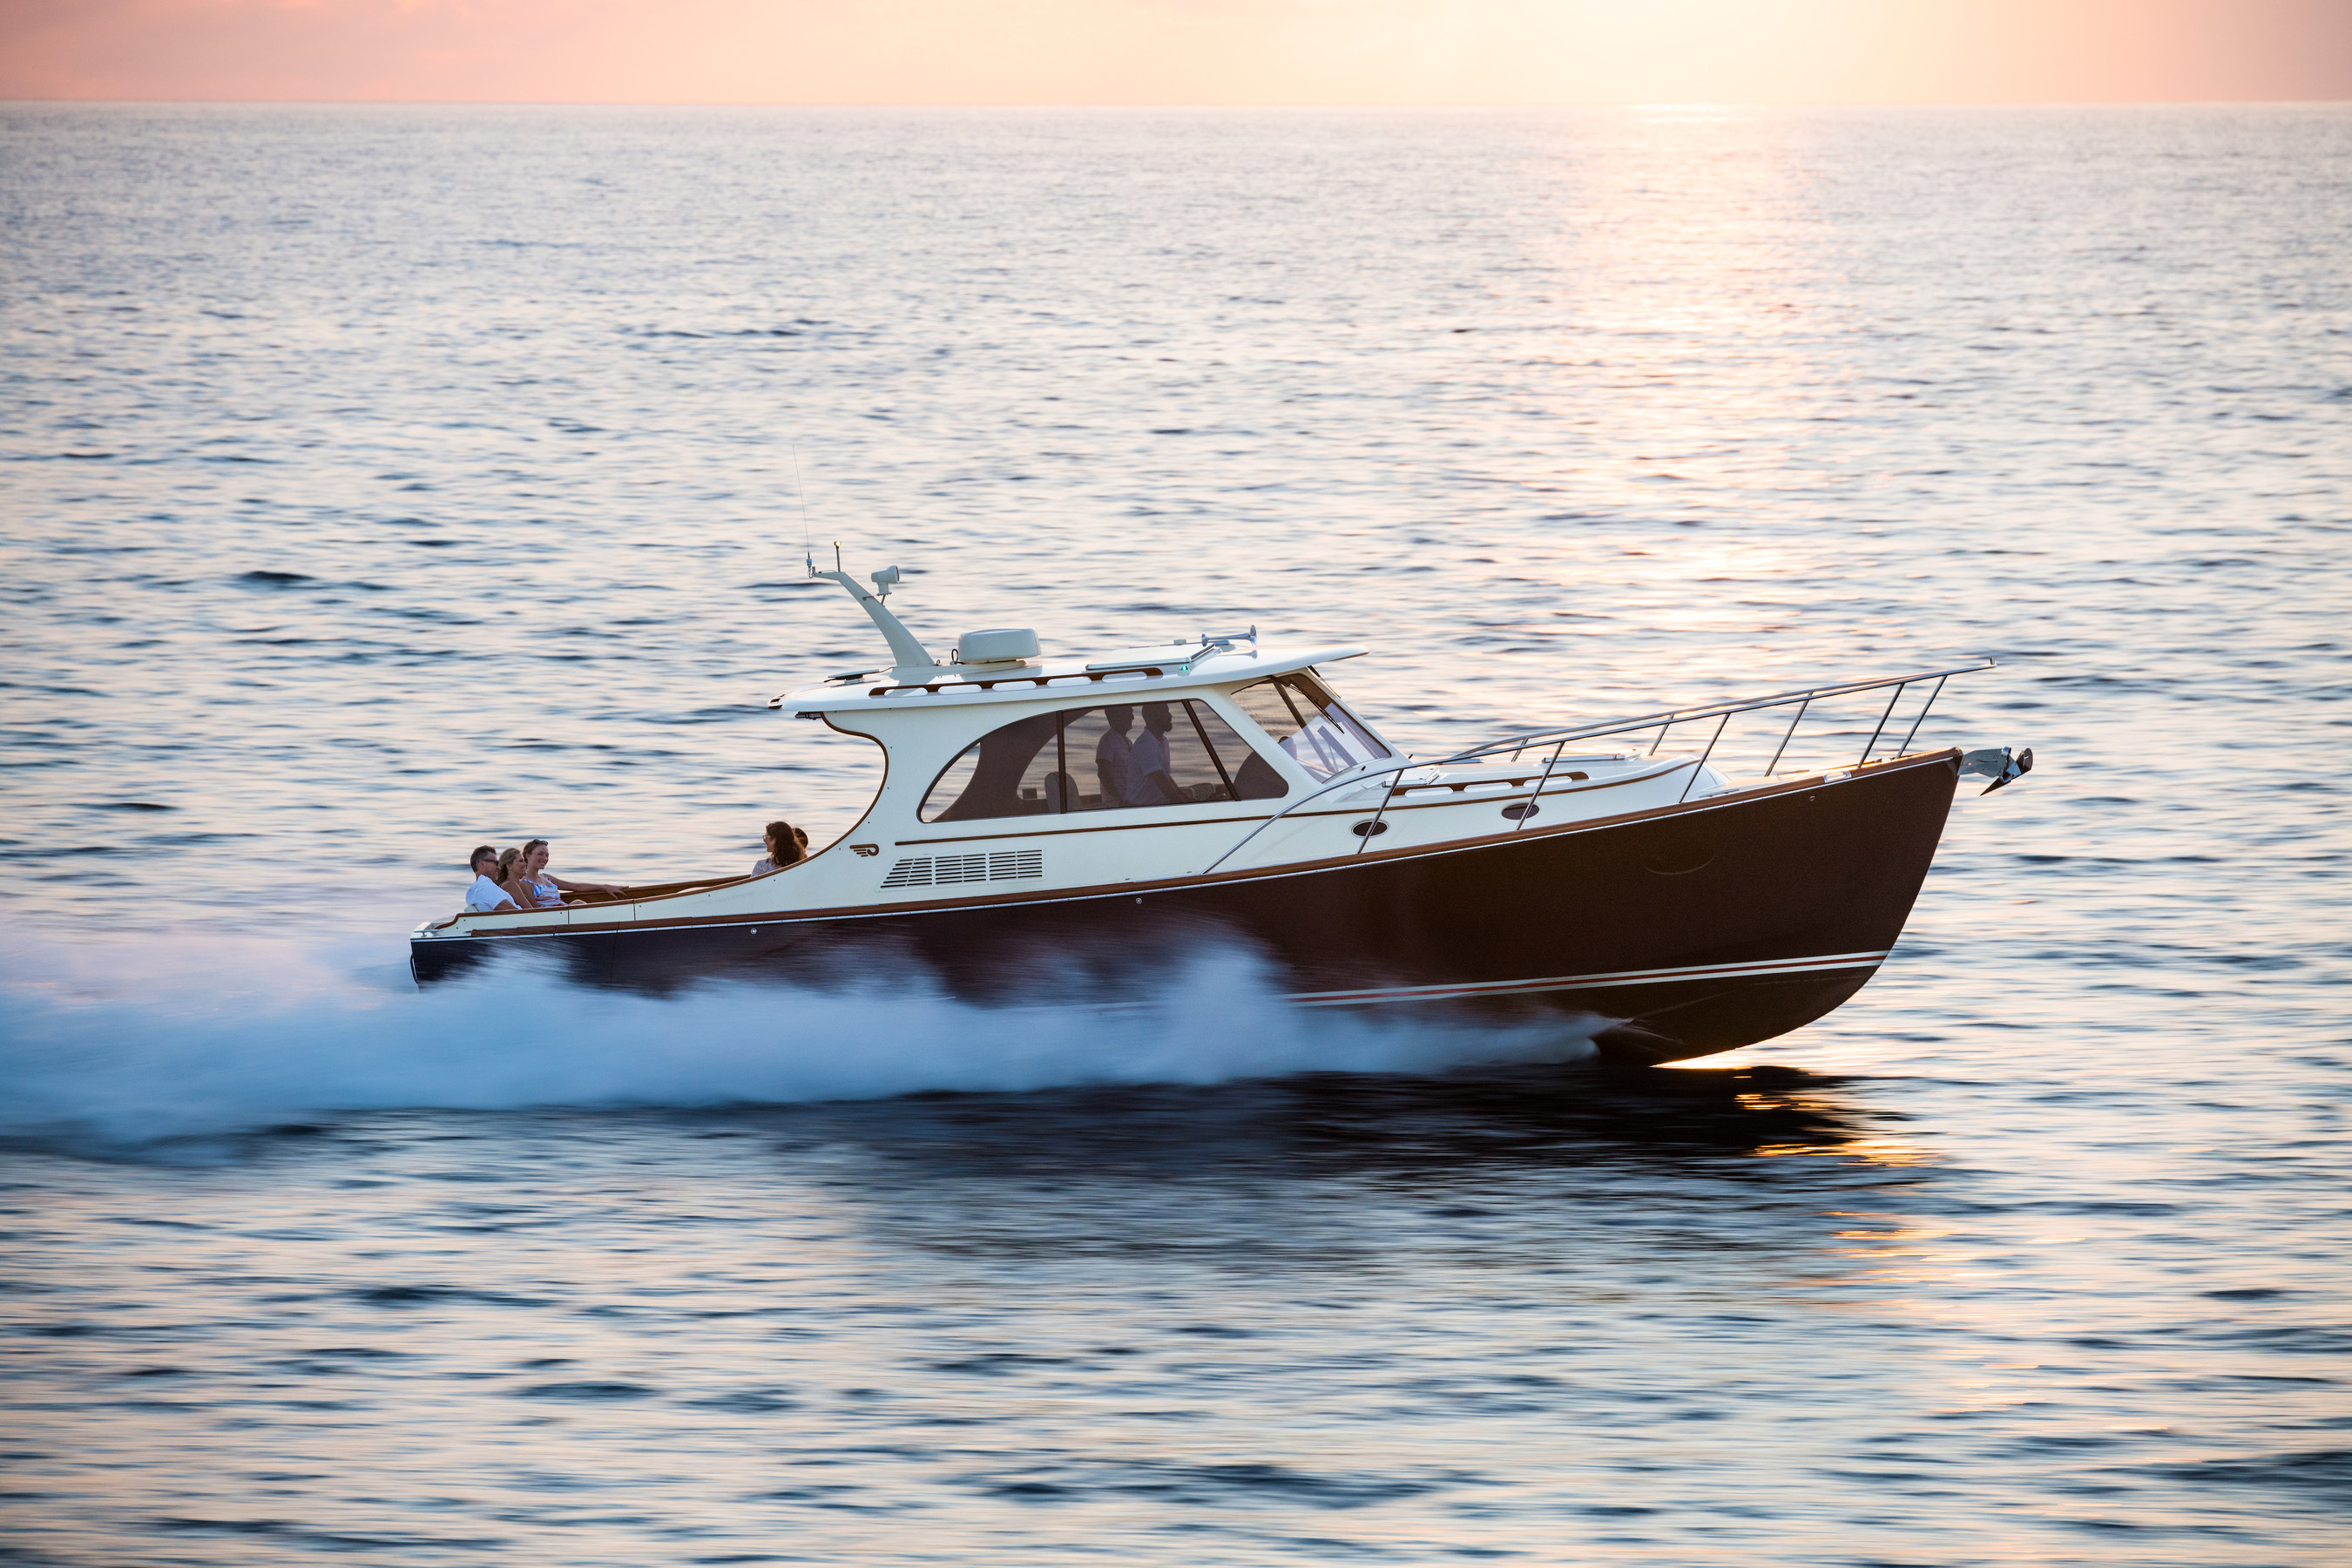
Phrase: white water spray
{"type": "Point", "coordinates": [111, 1041]}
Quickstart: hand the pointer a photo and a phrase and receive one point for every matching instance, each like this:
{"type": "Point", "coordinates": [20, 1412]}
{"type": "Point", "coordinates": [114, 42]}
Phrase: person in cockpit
{"type": "Point", "coordinates": [1156, 785]}
{"type": "Point", "coordinates": [1115, 761]}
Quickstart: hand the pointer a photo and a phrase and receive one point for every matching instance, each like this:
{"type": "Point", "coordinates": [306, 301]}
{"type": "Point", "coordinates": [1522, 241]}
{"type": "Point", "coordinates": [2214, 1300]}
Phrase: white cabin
{"type": "Point", "coordinates": [1009, 773]}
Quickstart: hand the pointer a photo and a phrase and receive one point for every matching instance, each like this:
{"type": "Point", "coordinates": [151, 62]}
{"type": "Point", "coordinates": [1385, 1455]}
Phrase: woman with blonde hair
{"type": "Point", "coordinates": [511, 880]}
{"type": "Point", "coordinates": [535, 889]}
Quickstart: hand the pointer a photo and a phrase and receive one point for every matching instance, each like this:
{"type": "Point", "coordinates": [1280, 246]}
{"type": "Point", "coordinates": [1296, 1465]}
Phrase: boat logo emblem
{"type": "Point", "coordinates": [866, 851]}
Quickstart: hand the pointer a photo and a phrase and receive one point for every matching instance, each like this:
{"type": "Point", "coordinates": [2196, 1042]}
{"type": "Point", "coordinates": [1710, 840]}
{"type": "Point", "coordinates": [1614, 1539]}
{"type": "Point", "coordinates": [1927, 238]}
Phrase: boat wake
{"type": "Point", "coordinates": [108, 1042]}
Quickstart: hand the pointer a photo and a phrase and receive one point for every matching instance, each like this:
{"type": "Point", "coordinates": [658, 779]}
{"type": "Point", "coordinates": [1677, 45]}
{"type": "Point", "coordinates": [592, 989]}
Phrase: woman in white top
{"type": "Point", "coordinates": [787, 846]}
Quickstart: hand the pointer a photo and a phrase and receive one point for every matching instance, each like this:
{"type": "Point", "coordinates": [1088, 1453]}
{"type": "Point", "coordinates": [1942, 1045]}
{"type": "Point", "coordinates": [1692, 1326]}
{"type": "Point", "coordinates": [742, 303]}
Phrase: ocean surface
{"type": "Point", "coordinates": [378, 481]}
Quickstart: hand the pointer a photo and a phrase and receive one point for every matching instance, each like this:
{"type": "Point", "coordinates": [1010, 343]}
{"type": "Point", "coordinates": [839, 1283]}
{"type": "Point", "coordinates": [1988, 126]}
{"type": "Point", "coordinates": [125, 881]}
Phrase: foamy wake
{"type": "Point", "coordinates": [176, 1036]}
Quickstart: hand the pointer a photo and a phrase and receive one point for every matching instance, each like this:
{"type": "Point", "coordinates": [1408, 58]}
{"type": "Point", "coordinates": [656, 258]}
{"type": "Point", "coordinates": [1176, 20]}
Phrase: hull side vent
{"type": "Point", "coordinates": [944, 870]}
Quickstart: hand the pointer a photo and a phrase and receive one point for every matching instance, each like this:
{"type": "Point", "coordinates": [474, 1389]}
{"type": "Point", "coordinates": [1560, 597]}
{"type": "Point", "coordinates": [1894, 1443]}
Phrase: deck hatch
{"type": "Point", "coordinates": [942, 870]}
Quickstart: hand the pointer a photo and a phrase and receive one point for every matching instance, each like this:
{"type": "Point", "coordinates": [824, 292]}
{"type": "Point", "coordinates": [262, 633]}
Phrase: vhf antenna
{"type": "Point", "coordinates": [808, 551]}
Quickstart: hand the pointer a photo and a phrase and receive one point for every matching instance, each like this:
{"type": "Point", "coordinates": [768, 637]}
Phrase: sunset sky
{"type": "Point", "coordinates": [1178, 51]}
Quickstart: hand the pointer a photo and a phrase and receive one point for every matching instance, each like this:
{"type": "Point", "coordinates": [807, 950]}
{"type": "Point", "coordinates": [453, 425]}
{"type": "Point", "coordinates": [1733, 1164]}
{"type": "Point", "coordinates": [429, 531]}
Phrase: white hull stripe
{"type": "Point", "coordinates": [1817, 963]}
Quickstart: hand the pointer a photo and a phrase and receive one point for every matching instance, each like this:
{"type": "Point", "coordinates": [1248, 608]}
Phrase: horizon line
{"type": "Point", "coordinates": [1194, 103]}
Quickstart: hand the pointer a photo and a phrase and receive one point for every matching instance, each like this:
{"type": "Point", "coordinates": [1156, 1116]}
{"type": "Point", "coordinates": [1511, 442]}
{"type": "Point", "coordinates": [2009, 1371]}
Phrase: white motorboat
{"type": "Point", "coordinates": [1044, 820]}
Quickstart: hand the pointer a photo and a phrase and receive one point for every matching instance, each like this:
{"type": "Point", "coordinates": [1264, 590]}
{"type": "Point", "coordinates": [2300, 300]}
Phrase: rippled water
{"type": "Point", "coordinates": [380, 482]}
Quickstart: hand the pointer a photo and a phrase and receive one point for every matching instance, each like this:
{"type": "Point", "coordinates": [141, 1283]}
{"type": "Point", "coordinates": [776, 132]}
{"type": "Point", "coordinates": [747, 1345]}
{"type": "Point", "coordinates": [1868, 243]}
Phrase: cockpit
{"type": "Point", "coordinates": [1149, 754]}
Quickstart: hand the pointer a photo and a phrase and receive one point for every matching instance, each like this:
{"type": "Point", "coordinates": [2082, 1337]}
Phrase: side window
{"type": "Point", "coordinates": [1306, 721]}
{"type": "Point", "coordinates": [1120, 757]}
{"type": "Point", "coordinates": [1005, 773]}
{"type": "Point", "coordinates": [1187, 753]}
{"type": "Point", "coordinates": [1099, 780]}
{"type": "Point", "coordinates": [1241, 770]}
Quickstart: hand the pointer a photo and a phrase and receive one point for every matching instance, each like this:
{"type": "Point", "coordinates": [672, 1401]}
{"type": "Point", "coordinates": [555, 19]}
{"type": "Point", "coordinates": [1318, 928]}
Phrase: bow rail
{"type": "Point", "coordinates": [1559, 739]}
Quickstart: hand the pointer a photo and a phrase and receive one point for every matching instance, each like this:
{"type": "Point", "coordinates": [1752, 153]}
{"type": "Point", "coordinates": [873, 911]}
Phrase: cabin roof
{"type": "Point", "coordinates": [1178, 667]}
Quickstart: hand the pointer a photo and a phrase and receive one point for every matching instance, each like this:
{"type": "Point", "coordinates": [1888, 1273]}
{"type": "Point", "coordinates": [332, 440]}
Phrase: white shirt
{"type": "Point", "coordinates": [1115, 770]}
{"type": "Point", "coordinates": [1150, 756]}
{"type": "Point", "coordinates": [486, 895]}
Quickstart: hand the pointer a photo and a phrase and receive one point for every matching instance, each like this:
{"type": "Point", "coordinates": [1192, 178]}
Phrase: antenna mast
{"type": "Point", "coordinates": [808, 551]}
{"type": "Point", "coordinates": [914, 660]}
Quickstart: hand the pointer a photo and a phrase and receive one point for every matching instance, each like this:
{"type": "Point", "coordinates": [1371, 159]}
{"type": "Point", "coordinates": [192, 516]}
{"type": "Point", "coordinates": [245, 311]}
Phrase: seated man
{"type": "Point", "coordinates": [1150, 756]}
{"type": "Point", "coordinates": [1115, 761]}
{"type": "Point", "coordinates": [486, 897]}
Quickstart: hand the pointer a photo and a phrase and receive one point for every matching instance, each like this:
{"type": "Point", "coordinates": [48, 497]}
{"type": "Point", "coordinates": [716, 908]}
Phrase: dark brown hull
{"type": "Point", "coordinates": [1694, 929]}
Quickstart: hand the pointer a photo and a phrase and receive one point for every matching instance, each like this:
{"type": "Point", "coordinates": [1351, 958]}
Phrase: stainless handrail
{"type": "Point", "coordinates": [1684, 715]}
{"type": "Point", "coordinates": [1663, 722]}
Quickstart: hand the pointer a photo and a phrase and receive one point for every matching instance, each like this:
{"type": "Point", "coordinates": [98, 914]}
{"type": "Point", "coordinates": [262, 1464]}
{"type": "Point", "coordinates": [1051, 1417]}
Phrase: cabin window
{"type": "Point", "coordinates": [1119, 757]}
{"type": "Point", "coordinates": [1302, 717]}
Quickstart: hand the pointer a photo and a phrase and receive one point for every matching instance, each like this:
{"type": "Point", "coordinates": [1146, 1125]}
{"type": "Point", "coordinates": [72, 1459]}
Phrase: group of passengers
{"type": "Point", "coordinates": [1135, 773]}
{"type": "Point", "coordinates": [517, 879]}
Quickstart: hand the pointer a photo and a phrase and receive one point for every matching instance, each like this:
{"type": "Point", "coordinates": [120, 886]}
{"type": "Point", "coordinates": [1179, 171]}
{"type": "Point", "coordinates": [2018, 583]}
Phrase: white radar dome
{"type": "Point", "coordinates": [1006, 645]}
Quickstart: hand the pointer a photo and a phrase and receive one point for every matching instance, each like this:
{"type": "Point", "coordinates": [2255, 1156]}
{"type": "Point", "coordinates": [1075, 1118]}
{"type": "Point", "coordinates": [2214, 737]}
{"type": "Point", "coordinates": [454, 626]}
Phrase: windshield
{"type": "Point", "coordinates": [1302, 717]}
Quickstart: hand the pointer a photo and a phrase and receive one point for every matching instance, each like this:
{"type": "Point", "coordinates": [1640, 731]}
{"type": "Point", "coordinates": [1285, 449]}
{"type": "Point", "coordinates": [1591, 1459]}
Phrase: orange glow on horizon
{"type": "Point", "coordinates": [1178, 51]}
